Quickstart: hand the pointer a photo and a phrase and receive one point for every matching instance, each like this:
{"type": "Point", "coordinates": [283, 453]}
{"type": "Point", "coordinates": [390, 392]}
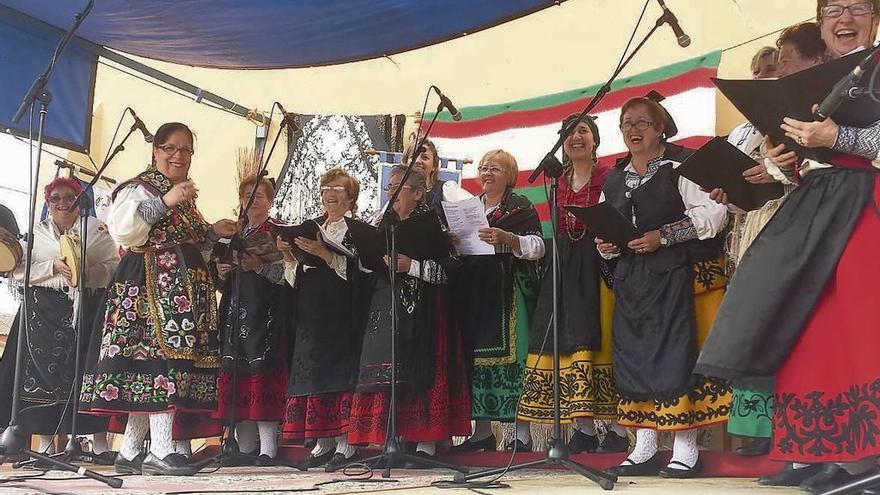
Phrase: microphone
{"type": "Point", "coordinates": [683, 39]}
{"type": "Point", "coordinates": [283, 111]}
{"type": "Point", "coordinates": [138, 123]}
{"type": "Point", "coordinates": [446, 103]}
{"type": "Point", "coordinates": [844, 88]}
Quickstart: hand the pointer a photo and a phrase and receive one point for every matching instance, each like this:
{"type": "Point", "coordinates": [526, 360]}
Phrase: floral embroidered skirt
{"type": "Point", "coordinates": [159, 348]}
{"type": "Point", "coordinates": [827, 403]}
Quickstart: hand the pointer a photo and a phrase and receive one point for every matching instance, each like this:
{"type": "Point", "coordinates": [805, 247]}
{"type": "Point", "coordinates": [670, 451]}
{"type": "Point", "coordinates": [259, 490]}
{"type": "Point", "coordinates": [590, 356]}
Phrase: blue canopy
{"type": "Point", "coordinates": [272, 34]}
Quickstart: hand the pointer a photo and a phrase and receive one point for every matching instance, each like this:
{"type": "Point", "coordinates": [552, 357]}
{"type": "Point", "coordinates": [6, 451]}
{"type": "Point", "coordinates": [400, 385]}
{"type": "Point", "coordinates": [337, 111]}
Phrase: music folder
{"type": "Point", "coordinates": [765, 102]}
{"type": "Point", "coordinates": [420, 237]}
{"type": "Point", "coordinates": [719, 164]}
{"type": "Point", "coordinates": [606, 222]}
{"type": "Point", "coordinates": [309, 230]}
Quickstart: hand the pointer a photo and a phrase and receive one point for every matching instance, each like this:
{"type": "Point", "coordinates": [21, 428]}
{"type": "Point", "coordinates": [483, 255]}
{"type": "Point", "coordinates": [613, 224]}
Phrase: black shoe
{"type": "Point", "coordinates": [339, 461]}
{"type": "Point", "coordinates": [172, 465]}
{"type": "Point", "coordinates": [239, 460]}
{"type": "Point", "coordinates": [758, 446]}
{"type": "Point", "coordinates": [519, 446]}
{"type": "Point", "coordinates": [416, 464]}
{"type": "Point", "coordinates": [106, 458]}
{"type": "Point", "coordinates": [789, 476]}
{"type": "Point", "coordinates": [487, 445]}
{"type": "Point", "coordinates": [613, 443]}
{"type": "Point", "coordinates": [124, 466]}
{"type": "Point", "coordinates": [41, 465]}
{"type": "Point", "coordinates": [264, 460]}
{"type": "Point", "coordinates": [581, 442]}
{"type": "Point", "coordinates": [315, 461]}
{"type": "Point", "coordinates": [829, 477]}
{"type": "Point", "coordinates": [676, 473]}
{"type": "Point", "coordinates": [651, 467]}
{"type": "Point", "coordinates": [310, 443]}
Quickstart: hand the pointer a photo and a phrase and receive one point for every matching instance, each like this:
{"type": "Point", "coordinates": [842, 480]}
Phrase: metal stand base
{"type": "Point", "coordinates": [393, 456]}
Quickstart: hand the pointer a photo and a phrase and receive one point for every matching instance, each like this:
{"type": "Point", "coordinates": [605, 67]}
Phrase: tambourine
{"type": "Point", "coordinates": [70, 255]}
{"type": "Point", "coordinates": [10, 251]}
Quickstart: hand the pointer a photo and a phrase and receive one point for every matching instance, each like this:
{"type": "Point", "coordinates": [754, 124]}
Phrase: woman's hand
{"type": "Point", "coordinates": [495, 236]}
{"type": "Point", "coordinates": [225, 228]}
{"type": "Point", "coordinates": [314, 247]}
{"type": "Point", "coordinates": [180, 193]}
{"type": "Point", "coordinates": [404, 262]}
{"type": "Point", "coordinates": [648, 243]}
{"type": "Point", "coordinates": [758, 175]}
{"type": "Point", "coordinates": [60, 266]}
{"type": "Point", "coordinates": [606, 247]}
{"type": "Point", "coordinates": [821, 134]}
{"type": "Point", "coordinates": [249, 262]}
{"type": "Point", "coordinates": [285, 248]}
{"type": "Point", "coordinates": [223, 269]}
{"type": "Point", "coordinates": [779, 156]}
{"type": "Point", "coordinates": [719, 196]}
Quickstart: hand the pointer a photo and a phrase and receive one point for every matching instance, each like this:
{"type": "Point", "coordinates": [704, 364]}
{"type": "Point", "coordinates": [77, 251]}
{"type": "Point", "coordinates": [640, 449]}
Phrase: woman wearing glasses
{"type": "Point", "coordinates": [584, 312]}
{"type": "Point", "coordinates": [807, 282]}
{"type": "Point", "coordinates": [48, 363]}
{"type": "Point", "coordinates": [433, 403]}
{"type": "Point", "coordinates": [495, 296]}
{"type": "Point", "coordinates": [159, 349]}
{"type": "Point", "coordinates": [655, 324]}
{"type": "Point", "coordinates": [327, 328]}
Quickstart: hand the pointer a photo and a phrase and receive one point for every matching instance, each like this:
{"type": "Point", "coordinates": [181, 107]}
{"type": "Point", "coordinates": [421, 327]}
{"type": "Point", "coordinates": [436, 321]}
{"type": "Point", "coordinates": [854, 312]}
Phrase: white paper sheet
{"type": "Point", "coordinates": [465, 219]}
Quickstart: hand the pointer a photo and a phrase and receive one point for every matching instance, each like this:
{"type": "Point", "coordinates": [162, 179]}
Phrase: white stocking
{"type": "Point", "coordinates": [343, 447]}
{"type": "Point", "coordinates": [183, 447]}
{"type": "Point", "coordinates": [268, 437]}
{"type": "Point", "coordinates": [323, 446]}
{"type": "Point", "coordinates": [99, 443]}
{"type": "Point", "coordinates": [161, 442]}
{"type": "Point", "coordinates": [646, 446]}
{"type": "Point", "coordinates": [246, 436]}
{"type": "Point", "coordinates": [685, 449]}
{"type": "Point", "coordinates": [136, 429]}
{"type": "Point", "coordinates": [482, 430]}
{"type": "Point", "coordinates": [586, 426]}
{"type": "Point", "coordinates": [429, 448]}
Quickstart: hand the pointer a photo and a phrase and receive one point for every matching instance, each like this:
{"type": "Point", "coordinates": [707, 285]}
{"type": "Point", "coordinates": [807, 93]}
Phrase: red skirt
{"type": "Point", "coordinates": [827, 404]}
{"type": "Point", "coordinates": [187, 425]}
{"type": "Point", "coordinates": [436, 414]}
{"type": "Point", "coordinates": [316, 416]}
{"type": "Point", "coordinates": [261, 396]}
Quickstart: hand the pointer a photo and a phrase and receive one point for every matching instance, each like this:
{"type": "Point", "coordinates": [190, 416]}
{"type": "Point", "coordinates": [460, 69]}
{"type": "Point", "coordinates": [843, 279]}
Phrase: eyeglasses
{"type": "Point", "coordinates": [171, 150]}
{"type": "Point", "coordinates": [856, 9]}
{"type": "Point", "coordinates": [640, 125]}
{"type": "Point", "coordinates": [336, 189]}
{"type": "Point", "coordinates": [490, 170]}
{"type": "Point", "coordinates": [393, 187]}
{"type": "Point", "coordinates": [57, 198]}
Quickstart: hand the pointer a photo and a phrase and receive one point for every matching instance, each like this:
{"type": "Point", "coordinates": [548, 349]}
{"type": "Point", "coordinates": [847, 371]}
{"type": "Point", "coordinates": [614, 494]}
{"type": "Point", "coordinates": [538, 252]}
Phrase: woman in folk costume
{"type": "Point", "coordinates": [495, 298]}
{"type": "Point", "coordinates": [159, 349]}
{"type": "Point", "coordinates": [330, 306]}
{"type": "Point", "coordinates": [585, 305]}
{"type": "Point", "coordinates": [806, 282]}
{"type": "Point", "coordinates": [433, 401]}
{"type": "Point", "coordinates": [255, 343]}
{"type": "Point", "coordinates": [751, 411]}
{"type": "Point", "coordinates": [656, 316]}
{"type": "Point", "coordinates": [48, 364]}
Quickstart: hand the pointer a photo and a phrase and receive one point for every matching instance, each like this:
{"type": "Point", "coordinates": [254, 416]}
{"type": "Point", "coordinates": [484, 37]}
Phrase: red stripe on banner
{"type": "Point", "coordinates": [698, 78]}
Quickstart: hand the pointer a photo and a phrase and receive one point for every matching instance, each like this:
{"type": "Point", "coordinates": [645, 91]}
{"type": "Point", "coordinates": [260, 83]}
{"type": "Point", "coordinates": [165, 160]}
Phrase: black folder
{"type": "Point", "coordinates": [607, 223]}
{"type": "Point", "coordinates": [765, 102]}
{"type": "Point", "coordinates": [420, 237]}
{"type": "Point", "coordinates": [721, 164]}
{"type": "Point", "coordinates": [308, 229]}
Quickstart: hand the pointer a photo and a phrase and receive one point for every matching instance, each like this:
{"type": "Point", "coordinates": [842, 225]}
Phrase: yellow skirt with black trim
{"type": "Point", "coordinates": [709, 401]}
{"type": "Point", "coordinates": [586, 378]}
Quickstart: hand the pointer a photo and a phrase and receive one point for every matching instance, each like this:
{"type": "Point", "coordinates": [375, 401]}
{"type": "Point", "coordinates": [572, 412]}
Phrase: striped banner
{"type": "Point", "coordinates": [528, 128]}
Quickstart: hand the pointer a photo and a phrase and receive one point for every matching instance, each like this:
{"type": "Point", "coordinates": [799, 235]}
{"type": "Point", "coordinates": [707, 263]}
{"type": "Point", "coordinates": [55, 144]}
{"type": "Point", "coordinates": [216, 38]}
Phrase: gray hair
{"type": "Point", "coordinates": [416, 179]}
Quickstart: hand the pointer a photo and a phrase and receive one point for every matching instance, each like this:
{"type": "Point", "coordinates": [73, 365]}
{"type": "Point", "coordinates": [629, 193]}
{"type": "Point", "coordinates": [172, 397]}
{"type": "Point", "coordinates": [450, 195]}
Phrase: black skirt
{"type": "Point", "coordinates": [48, 364]}
{"type": "Point", "coordinates": [783, 274]}
{"type": "Point", "coordinates": [579, 277]}
{"type": "Point", "coordinates": [258, 345]}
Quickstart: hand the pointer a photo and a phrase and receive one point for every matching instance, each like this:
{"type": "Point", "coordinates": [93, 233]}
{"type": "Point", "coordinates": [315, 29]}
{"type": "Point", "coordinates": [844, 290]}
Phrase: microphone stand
{"type": "Point", "coordinates": [393, 453]}
{"type": "Point", "coordinates": [230, 453]}
{"type": "Point", "coordinates": [13, 440]}
{"type": "Point", "coordinates": [557, 453]}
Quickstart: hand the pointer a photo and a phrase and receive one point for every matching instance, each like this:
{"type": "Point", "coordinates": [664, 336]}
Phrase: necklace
{"type": "Point", "coordinates": [570, 219]}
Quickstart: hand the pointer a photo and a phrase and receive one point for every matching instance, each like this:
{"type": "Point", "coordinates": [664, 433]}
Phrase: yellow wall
{"type": "Point", "coordinates": [573, 45]}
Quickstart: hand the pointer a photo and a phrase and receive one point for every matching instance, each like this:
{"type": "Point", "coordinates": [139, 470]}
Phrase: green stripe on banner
{"type": "Point", "coordinates": [547, 229]}
{"type": "Point", "coordinates": [710, 60]}
{"type": "Point", "coordinates": [535, 194]}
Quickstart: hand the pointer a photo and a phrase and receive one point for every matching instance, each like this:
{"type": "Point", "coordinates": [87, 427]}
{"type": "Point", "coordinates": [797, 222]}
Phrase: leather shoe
{"type": "Point", "coordinates": [758, 446]}
{"type": "Point", "coordinates": [106, 458]}
{"type": "Point", "coordinates": [613, 443]}
{"type": "Point", "coordinates": [581, 442]}
{"type": "Point", "coordinates": [124, 466]}
{"type": "Point", "coordinates": [789, 476]}
{"type": "Point", "coordinates": [338, 461]}
{"type": "Point", "coordinates": [675, 473]}
{"type": "Point", "coordinates": [315, 461]}
{"type": "Point", "coordinates": [264, 460]}
{"type": "Point", "coordinates": [651, 467]}
{"type": "Point", "coordinates": [172, 465]}
{"type": "Point", "coordinates": [486, 445]}
{"type": "Point", "coordinates": [830, 477]}
{"type": "Point", "coordinates": [519, 445]}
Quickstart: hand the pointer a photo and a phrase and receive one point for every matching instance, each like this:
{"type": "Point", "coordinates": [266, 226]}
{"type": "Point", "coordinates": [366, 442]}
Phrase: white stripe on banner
{"type": "Point", "coordinates": [693, 111]}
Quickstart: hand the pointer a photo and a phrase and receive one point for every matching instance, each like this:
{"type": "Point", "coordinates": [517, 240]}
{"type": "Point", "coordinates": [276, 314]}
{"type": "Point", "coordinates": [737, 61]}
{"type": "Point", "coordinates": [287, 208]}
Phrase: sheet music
{"type": "Point", "coordinates": [465, 219]}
